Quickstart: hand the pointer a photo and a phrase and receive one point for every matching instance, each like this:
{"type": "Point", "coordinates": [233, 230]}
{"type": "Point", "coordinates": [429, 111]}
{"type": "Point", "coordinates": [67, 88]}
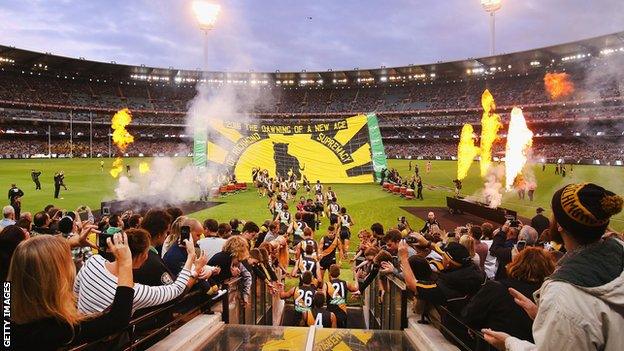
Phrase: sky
{"type": "Point", "coordinates": [293, 35]}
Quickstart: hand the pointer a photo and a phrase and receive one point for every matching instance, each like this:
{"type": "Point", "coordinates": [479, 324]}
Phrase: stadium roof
{"type": "Point", "coordinates": [518, 62]}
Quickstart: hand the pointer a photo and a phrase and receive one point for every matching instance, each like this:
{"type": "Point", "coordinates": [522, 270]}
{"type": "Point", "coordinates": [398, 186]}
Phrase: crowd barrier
{"type": "Point", "coordinates": [151, 325]}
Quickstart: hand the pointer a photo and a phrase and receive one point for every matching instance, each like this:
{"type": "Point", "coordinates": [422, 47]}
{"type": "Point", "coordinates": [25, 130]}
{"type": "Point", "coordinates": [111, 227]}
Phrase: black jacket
{"type": "Point", "coordinates": [501, 249]}
{"type": "Point", "coordinates": [493, 307]}
{"type": "Point", "coordinates": [153, 272]}
{"type": "Point", "coordinates": [50, 334]}
{"type": "Point", "coordinates": [15, 192]}
{"type": "Point", "coordinates": [540, 222]}
{"type": "Point", "coordinates": [453, 288]}
{"type": "Point", "coordinates": [428, 224]}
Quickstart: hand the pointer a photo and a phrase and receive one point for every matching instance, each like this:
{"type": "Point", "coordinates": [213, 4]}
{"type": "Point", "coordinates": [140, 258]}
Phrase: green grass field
{"type": "Point", "coordinates": [366, 203]}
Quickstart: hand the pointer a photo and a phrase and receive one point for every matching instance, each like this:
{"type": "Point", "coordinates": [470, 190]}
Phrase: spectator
{"type": "Point", "coordinates": [177, 253]}
{"type": "Point", "coordinates": [481, 248]}
{"type": "Point", "coordinates": [456, 283]}
{"type": "Point", "coordinates": [580, 303]}
{"type": "Point", "coordinates": [431, 221]}
{"type": "Point", "coordinates": [134, 221]}
{"type": "Point", "coordinates": [41, 224]}
{"type": "Point", "coordinates": [43, 308]}
{"type": "Point", "coordinates": [273, 232]}
{"type": "Point", "coordinates": [154, 272]}
{"type": "Point", "coordinates": [234, 251]}
{"type": "Point", "coordinates": [249, 233]}
{"type": "Point", "coordinates": [494, 307]}
{"type": "Point", "coordinates": [8, 212]}
{"type": "Point", "coordinates": [24, 223]}
{"type": "Point", "coordinates": [468, 242]}
{"type": "Point", "coordinates": [10, 237]}
{"type": "Point", "coordinates": [234, 223]}
{"type": "Point", "coordinates": [505, 239]}
{"type": "Point", "coordinates": [377, 230]}
{"type": "Point", "coordinates": [540, 222]}
{"type": "Point", "coordinates": [490, 265]}
{"type": "Point", "coordinates": [96, 282]}
{"type": "Point", "coordinates": [213, 241]}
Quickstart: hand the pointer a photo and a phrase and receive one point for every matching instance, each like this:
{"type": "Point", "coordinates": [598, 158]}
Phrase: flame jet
{"type": "Point", "coordinates": [466, 151]}
{"type": "Point", "coordinates": [490, 124]}
{"type": "Point", "coordinates": [121, 137]}
{"type": "Point", "coordinates": [519, 141]}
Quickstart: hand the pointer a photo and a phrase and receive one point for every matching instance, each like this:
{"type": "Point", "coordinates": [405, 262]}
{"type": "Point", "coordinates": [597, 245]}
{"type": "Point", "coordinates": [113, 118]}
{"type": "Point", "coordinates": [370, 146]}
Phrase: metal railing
{"type": "Point", "coordinates": [156, 323]}
{"type": "Point", "coordinates": [389, 311]}
{"type": "Point", "coordinates": [456, 331]}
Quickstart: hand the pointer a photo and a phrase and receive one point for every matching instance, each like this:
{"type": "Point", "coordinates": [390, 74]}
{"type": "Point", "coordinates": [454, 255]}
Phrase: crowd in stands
{"type": "Point", "coordinates": [570, 150]}
{"type": "Point", "coordinates": [77, 278]}
{"type": "Point", "coordinates": [146, 147]}
{"type": "Point", "coordinates": [508, 90]}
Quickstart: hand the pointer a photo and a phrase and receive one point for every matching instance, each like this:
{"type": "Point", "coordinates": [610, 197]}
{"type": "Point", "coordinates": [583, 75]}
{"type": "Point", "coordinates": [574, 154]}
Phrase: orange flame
{"type": "Point", "coordinates": [490, 123]}
{"type": "Point", "coordinates": [117, 167]}
{"type": "Point", "coordinates": [144, 167]}
{"type": "Point", "coordinates": [519, 141]}
{"type": "Point", "coordinates": [558, 85]}
{"type": "Point", "coordinates": [121, 137]}
{"type": "Point", "coordinates": [466, 151]}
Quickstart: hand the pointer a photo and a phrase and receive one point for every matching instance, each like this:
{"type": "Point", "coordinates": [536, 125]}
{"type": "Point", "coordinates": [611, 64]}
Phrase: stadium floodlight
{"type": "Point", "coordinates": [206, 14]}
{"type": "Point", "coordinates": [491, 6]}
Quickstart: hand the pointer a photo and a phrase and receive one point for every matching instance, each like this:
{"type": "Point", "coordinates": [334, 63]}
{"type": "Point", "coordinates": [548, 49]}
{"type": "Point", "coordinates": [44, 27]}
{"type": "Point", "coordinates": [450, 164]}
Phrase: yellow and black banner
{"type": "Point", "coordinates": [332, 152]}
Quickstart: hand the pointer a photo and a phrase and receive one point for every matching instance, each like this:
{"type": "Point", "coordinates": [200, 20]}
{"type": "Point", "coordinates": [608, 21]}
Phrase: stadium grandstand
{"type": "Point", "coordinates": [58, 105]}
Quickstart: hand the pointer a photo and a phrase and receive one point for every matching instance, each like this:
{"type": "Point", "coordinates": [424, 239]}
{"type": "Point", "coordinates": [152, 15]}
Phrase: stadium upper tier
{"type": "Point", "coordinates": [44, 81]}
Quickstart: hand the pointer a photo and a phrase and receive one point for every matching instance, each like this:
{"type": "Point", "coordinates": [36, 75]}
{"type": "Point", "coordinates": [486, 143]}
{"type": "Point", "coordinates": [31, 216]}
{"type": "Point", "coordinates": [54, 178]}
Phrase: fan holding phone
{"type": "Point", "coordinates": [184, 230]}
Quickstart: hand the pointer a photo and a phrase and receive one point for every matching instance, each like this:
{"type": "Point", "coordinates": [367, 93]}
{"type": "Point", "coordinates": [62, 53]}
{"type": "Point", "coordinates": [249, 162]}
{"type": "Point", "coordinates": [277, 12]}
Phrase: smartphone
{"type": "Point", "coordinates": [521, 245]}
{"type": "Point", "coordinates": [185, 233]}
{"type": "Point", "coordinates": [101, 241]}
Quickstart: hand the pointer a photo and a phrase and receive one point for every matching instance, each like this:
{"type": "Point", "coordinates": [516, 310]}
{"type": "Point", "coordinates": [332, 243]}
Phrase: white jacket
{"type": "Point", "coordinates": [573, 317]}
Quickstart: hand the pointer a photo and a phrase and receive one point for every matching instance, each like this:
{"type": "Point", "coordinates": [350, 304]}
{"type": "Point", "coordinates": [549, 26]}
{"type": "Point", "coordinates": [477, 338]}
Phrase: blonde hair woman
{"type": "Point", "coordinates": [174, 234]}
{"type": "Point", "coordinates": [43, 306]}
{"type": "Point", "coordinates": [468, 242]}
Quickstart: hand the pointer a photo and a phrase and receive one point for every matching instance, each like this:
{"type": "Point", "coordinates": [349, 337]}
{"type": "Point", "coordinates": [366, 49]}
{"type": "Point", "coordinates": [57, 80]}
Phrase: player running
{"type": "Point", "coordinates": [318, 315]}
{"type": "Point", "coordinates": [336, 290]}
{"type": "Point", "coordinates": [333, 211]}
{"type": "Point", "coordinates": [346, 222]}
{"type": "Point", "coordinates": [329, 244]}
{"type": "Point", "coordinates": [307, 263]}
{"type": "Point", "coordinates": [301, 248]}
{"type": "Point", "coordinates": [296, 228]}
{"type": "Point", "coordinates": [302, 296]}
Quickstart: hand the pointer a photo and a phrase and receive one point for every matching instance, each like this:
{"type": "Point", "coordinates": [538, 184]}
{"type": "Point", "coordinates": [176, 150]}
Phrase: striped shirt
{"type": "Point", "coordinates": [95, 288]}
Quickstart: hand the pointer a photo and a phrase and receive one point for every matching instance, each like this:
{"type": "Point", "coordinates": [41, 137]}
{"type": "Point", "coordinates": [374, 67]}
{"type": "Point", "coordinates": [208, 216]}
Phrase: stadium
{"type": "Point", "coordinates": [202, 208]}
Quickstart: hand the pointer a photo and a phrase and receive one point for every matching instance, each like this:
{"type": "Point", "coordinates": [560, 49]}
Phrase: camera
{"type": "Point", "coordinates": [401, 219]}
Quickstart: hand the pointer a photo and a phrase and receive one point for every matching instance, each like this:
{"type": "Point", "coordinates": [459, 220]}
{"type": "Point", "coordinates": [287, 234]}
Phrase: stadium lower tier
{"type": "Point", "coordinates": [549, 150]}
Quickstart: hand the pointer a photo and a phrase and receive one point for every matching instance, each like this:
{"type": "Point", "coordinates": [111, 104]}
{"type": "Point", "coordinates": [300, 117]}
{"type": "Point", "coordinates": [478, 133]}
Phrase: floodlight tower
{"type": "Point", "coordinates": [491, 6]}
{"type": "Point", "coordinates": [206, 14]}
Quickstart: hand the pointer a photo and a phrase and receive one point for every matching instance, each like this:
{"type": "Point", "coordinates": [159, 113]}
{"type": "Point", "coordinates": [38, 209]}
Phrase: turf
{"type": "Point", "coordinates": [366, 203]}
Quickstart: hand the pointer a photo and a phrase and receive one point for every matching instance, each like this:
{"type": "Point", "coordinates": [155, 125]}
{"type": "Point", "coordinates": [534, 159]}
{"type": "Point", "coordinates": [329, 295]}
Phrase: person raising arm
{"type": "Point", "coordinates": [44, 313]}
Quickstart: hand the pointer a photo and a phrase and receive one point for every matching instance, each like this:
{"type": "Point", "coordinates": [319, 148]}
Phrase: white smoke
{"type": "Point", "coordinates": [493, 187]}
{"type": "Point", "coordinates": [226, 97]}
